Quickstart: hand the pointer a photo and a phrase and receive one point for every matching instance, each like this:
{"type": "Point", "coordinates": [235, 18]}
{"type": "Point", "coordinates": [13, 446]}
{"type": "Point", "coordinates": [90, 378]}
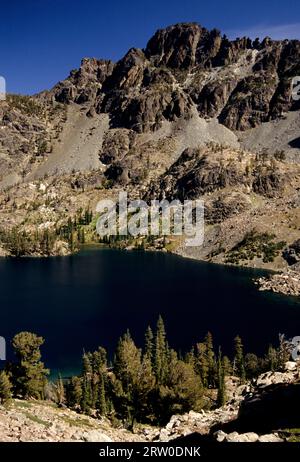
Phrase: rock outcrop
{"type": "Point", "coordinates": [241, 82]}
{"type": "Point", "coordinates": [287, 283]}
{"type": "Point", "coordinates": [26, 421]}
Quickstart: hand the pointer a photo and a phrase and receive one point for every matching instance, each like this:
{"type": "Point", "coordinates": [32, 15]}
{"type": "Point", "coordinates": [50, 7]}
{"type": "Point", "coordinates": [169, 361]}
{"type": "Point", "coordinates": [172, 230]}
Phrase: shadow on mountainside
{"type": "Point", "coordinates": [275, 407]}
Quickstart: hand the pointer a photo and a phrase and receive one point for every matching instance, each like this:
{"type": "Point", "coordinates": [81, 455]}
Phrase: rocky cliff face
{"type": "Point", "coordinates": [241, 82]}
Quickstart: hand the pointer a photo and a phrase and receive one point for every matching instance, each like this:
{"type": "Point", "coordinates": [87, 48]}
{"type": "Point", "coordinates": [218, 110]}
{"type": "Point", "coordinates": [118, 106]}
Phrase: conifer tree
{"type": "Point", "coordinates": [271, 359]}
{"type": "Point", "coordinates": [29, 372]}
{"type": "Point", "coordinates": [211, 360]}
{"type": "Point", "coordinates": [86, 398]}
{"type": "Point", "coordinates": [99, 360]}
{"type": "Point", "coordinates": [221, 397]}
{"type": "Point", "coordinates": [190, 358]}
{"type": "Point", "coordinates": [74, 392]}
{"type": "Point", "coordinates": [149, 346]}
{"type": "Point", "coordinates": [201, 364]}
{"type": "Point", "coordinates": [251, 365]}
{"type": "Point", "coordinates": [161, 352]}
{"type": "Point", "coordinates": [87, 391]}
{"type": "Point", "coordinates": [127, 364]}
{"type": "Point", "coordinates": [239, 366]}
{"type": "Point", "coordinates": [101, 404]}
{"type": "Point", "coordinates": [284, 351]}
{"type": "Point", "coordinates": [227, 366]}
{"type": "Point", "coordinates": [145, 385]}
{"type": "Point", "coordinates": [181, 392]}
{"type": "Point", "coordinates": [60, 391]}
{"type": "Point", "coordinates": [5, 388]}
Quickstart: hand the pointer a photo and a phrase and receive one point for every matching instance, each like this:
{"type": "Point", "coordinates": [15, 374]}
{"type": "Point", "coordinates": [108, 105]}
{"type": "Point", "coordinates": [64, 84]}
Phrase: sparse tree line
{"type": "Point", "coordinates": [20, 243]}
{"type": "Point", "coordinates": [73, 231]}
{"type": "Point", "coordinates": [145, 385]}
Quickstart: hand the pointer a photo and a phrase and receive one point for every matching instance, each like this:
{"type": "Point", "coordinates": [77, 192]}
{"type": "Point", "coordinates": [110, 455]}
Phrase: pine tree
{"type": "Point", "coordinates": [143, 407]}
{"type": "Point", "coordinates": [221, 397]}
{"type": "Point", "coordinates": [86, 399]}
{"type": "Point", "coordinates": [74, 392]}
{"type": "Point", "coordinates": [190, 358]}
{"type": "Point", "coordinates": [251, 365]}
{"type": "Point", "coordinates": [161, 352]}
{"type": "Point", "coordinates": [211, 360]}
{"type": "Point", "coordinates": [149, 346]}
{"type": "Point", "coordinates": [87, 392]}
{"type": "Point", "coordinates": [5, 388]}
{"type": "Point", "coordinates": [284, 351]}
{"type": "Point", "coordinates": [87, 368]}
{"type": "Point", "coordinates": [60, 391]}
{"type": "Point", "coordinates": [127, 365]}
{"type": "Point", "coordinates": [239, 366]}
{"type": "Point", "coordinates": [29, 373]}
{"type": "Point", "coordinates": [181, 392]}
{"type": "Point", "coordinates": [101, 404]}
{"type": "Point", "coordinates": [227, 366]}
{"type": "Point", "coordinates": [99, 360]}
{"type": "Point", "coordinates": [271, 359]}
{"type": "Point", "coordinates": [201, 364]}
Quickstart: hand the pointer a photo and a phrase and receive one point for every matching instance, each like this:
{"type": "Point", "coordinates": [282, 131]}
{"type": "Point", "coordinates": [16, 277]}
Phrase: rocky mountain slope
{"type": "Point", "coordinates": [192, 115]}
{"type": "Point", "coordinates": [272, 396]}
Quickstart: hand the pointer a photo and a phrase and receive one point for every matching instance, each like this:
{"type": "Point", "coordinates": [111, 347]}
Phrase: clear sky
{"type": "Point", "coordinates": [42, 40]}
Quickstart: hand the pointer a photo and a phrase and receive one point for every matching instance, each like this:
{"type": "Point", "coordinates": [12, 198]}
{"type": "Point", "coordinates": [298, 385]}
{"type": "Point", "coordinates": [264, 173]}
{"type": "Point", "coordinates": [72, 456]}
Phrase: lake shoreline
{"type": "Point", "coordinates": [278, 280]}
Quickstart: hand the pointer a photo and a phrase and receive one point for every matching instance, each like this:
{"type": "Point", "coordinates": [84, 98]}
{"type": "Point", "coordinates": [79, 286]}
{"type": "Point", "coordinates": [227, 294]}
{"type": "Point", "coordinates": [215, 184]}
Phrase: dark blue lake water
{"type": "Point", "coordinates": [90, 299]}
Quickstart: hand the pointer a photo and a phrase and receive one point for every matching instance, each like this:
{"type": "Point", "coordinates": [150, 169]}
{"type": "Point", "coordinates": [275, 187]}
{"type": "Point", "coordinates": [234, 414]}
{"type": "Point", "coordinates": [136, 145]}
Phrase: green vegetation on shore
{"type": "Point", "coordinates": [255, 245]}
{"type": "Point", "coordinates": [48, 241]}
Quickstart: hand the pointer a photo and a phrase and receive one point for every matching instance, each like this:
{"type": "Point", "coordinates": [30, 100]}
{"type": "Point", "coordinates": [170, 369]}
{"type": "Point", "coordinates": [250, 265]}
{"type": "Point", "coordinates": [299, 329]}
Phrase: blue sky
{"type": "Point", "coordinates": [42, 40]}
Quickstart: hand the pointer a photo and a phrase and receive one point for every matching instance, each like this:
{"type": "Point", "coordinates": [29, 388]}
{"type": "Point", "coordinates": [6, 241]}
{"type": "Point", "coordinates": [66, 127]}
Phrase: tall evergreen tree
{"type": "Point", "coordinates": [252, 366]}
{"type": "Point", "coordinates": [149, 345]}
{"type": "Point", "coordinates": [74, 392]}
{"type": "Point", "coordinates": [87, 376]}
{"type": "Point", "coordinates": [211, 360]}
{"type": "Point", "coordinates": [161, 352]}
{"type": "Point", "coordinates": [29, 373]}
{"type": "Point", "coordinates": [271, 359]}
{"type": "Point", "coordinates": [181, 392]}
{"type": "Point", "coordinates": [101, 404]}
{"type": "Point", "coordinates": [201, 365]}
{"type": "Point", "coordinates": [227, 366]}
{"type": "Point", "coordinates": [239, 366]}
{"type": "Point", "coordinates": [284, 351]}
{"type": "Point", "coordinates": [144, 387]}
{"type": "Point", "coordinates": [5, 388]}
{"type": "Point", "coordinates": [221, 397]}
{"type": "Point", "coordinates": [127, 364]}
{"type": "Point", "coordinates": [190, 358]}
{"type": "Point", "coordinates": [60, 391]}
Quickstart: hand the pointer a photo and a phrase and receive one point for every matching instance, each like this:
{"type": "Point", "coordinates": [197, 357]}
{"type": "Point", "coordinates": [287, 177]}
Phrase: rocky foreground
{"type": "Point", "coordinates": [264, 410]}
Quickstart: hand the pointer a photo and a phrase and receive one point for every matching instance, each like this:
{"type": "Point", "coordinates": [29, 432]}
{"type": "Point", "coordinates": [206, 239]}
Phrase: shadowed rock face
{"type": "Point", "coordinates": [199, 171]}
{"type": "Point", "coordinates": [274, 408]}
{"type": "Point", "coordinates": [83, 84]}
{"type": "Point", "coordinates": [183, 46]}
